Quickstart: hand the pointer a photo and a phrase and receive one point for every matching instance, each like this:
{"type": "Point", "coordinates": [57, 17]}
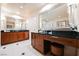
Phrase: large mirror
{"type": "Point", "coordinates": [10, 23]}
{"type": "Point", "coordinates": [55, 18]}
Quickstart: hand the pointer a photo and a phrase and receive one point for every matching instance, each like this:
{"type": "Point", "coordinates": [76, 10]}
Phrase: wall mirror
{"type": "Point", "coordinates": [56, 17]}
{"type": "Point", "coordinates": [10, 23]}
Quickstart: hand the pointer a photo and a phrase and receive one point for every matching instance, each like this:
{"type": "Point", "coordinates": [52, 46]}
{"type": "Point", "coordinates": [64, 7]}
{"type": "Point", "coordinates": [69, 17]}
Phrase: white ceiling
{"type": "Point", "coordinates": [24, 10]}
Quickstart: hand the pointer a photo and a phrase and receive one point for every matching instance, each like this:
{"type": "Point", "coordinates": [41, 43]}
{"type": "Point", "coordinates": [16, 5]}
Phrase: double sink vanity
{"type": "Point", "coordinates": [54, 41]}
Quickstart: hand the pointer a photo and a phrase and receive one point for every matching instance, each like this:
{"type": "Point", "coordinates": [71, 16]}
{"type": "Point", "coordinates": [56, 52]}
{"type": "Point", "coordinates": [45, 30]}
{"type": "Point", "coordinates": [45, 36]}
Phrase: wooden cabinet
{"type": "Point", "coordinates": [5, 38]}
{"type": "Point", "coordinates": [77, 43]}
{"type": "Point", "coordinates": [20, 36]}
{"type": "Point", "coordinates": [26, 35]}
{"type": "Point", "coordinates": [38, 42]}
{"type": "Point", "coordinates": [32, 41]}
{"type": "Point", "coordinates": [10, 37]}
{"type": "Point", "coordinates": [64, 41]}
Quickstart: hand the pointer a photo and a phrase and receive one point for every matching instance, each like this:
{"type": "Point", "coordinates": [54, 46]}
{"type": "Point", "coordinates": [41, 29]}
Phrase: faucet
{"type": "Point", "coordinates": [74, 28]}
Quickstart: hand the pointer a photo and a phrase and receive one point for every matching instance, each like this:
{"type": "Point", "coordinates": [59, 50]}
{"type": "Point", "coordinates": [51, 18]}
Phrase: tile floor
{"type": "Point", "coordinates": [18, 49]}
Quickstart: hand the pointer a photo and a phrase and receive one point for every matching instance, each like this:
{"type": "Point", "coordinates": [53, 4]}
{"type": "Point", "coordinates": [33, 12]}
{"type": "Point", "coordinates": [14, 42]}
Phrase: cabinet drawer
{"type": "Point", "coordinates": [64, 41]}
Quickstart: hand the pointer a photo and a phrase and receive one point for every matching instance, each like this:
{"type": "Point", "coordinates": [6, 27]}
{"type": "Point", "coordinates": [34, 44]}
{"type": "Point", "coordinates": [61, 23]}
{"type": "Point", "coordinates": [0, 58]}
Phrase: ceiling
{"type": "Point", "coordinates": [25, 10]}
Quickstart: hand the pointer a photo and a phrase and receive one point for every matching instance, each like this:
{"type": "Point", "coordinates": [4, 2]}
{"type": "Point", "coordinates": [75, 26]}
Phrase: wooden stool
{"type": "Point", "coordinates": [57, 49]}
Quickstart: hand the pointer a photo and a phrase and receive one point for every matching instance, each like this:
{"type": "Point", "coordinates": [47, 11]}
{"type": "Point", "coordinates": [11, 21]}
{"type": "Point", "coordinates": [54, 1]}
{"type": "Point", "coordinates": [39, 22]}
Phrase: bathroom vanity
{"type": "Point", "coordinates": [14, 36]}
{"type": "Point", "coordinates": [42, 42]}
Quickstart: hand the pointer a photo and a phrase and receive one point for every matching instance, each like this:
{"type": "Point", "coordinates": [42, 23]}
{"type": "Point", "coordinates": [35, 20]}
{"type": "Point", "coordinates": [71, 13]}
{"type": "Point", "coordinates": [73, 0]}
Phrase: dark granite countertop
{"type": "Point", "coordinates": [67, 34]}
{"type": "Point", "coordinates": [16, 31]}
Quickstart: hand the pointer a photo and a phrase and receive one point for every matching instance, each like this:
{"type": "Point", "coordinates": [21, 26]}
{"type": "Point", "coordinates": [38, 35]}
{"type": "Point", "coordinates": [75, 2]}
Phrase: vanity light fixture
{"type": "Point", "coordinates": [47, 7]}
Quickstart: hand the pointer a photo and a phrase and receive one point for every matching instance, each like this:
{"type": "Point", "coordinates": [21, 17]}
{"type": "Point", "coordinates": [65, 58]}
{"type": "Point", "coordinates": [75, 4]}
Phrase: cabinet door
{"type": "Point", "coordinates": [36, 41]}
{"type": "Point", "coordinates": [39, 43]}
{"type": "Point", "coordinates": [26, 35]}
{"type": "Point", "coordinates": [33, 40]}
{"type": "Point", "coordinates": [5, 38]}
{"type": "Point", "coordinates": [13, 37]}
{"type": "Point", "coordinates": [20, 36]}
